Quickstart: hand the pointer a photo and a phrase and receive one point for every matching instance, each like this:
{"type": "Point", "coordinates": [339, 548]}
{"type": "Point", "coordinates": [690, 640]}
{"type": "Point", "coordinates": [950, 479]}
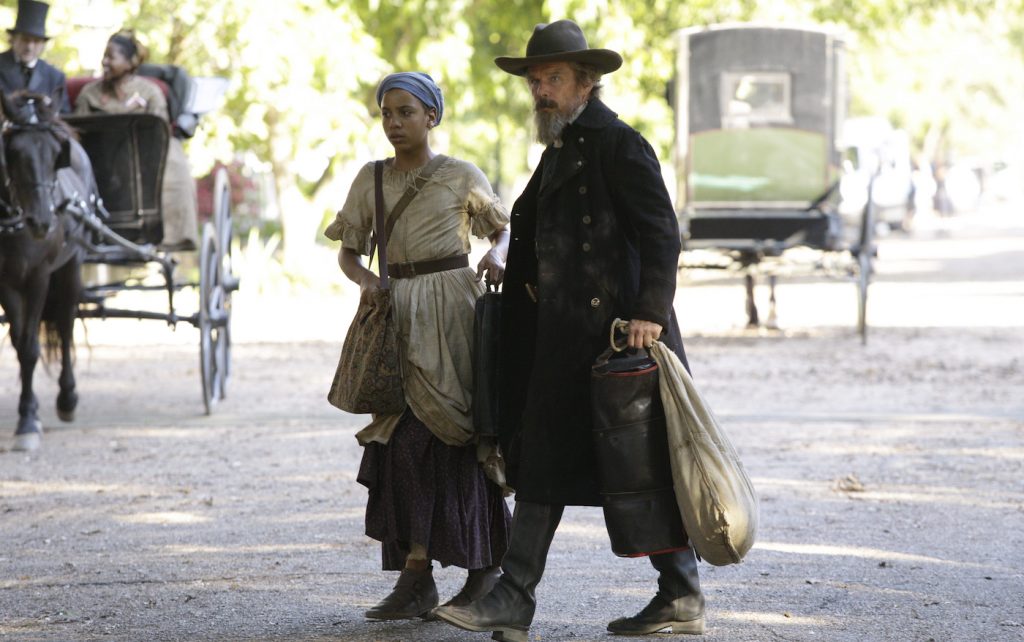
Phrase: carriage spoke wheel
{"type": "Point", "coordinates": [214, 314]}
{"type": "Point", "coordinates": [228, 280]}
{"type": "Point", "coordinates": [865, 267]}
{"type": "Point", "coordinates": [863, 280]}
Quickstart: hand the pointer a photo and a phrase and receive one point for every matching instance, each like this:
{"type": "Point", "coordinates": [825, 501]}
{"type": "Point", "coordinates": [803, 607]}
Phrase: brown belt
{"type": "Point", "coordinates": [406, 270]}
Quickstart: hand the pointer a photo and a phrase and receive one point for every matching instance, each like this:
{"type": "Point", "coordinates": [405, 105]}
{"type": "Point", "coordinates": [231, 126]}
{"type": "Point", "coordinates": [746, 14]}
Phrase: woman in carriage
{"type": "Point", "coordinates": [120, 91]}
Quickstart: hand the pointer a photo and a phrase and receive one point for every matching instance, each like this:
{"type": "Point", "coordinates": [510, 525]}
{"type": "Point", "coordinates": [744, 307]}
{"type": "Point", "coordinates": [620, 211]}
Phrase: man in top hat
{"type": "Point", "coordinates": [21, 67]}
{"type": "Point", "coordinates": [594, 237]}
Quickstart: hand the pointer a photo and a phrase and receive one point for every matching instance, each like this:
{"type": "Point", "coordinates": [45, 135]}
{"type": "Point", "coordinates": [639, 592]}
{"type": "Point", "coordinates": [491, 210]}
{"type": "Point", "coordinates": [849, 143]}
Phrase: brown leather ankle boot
{"type": "Point", "coordinates": [479, 583]}
{"type": "Point", "coordinates": [414, 595]}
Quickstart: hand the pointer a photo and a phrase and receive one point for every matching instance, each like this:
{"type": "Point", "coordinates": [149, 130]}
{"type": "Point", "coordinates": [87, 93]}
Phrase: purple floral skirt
{"type": "Point", "coordinates": [429, 493]}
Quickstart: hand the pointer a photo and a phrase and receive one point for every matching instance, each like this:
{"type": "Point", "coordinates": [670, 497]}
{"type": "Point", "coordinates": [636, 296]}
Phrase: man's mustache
{"type": "Point", "coordinates": [544, 103]}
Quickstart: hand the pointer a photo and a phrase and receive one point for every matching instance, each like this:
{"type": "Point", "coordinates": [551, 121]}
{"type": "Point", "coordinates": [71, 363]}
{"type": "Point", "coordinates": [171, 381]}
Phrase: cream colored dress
{"type": "Point", "coordinates": [178, 199]}
{"type": "Point", "coordinates": [433, 312]}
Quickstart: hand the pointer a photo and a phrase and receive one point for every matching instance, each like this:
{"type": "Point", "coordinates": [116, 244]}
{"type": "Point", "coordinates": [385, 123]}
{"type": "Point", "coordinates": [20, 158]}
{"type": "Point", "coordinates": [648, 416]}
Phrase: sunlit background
{"type": "Point", "coordinates": [884, 469]}
{"type": "Point", "coordinates": [942, 80]}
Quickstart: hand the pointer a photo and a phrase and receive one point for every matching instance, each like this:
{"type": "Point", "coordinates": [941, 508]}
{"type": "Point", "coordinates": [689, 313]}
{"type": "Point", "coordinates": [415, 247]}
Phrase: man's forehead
{"type": "Point", "coordinates": [24, 37]}
{"type": "Point", "coordinates": [547, 69]}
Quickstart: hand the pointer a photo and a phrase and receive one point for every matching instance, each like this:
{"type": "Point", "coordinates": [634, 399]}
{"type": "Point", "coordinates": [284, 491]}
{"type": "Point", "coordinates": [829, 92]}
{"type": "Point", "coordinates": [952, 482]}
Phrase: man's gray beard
{"type": "Point", "coordinates": [550, 125]}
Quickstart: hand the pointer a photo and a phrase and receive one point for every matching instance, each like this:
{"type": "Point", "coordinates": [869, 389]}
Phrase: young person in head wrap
{"type": "Point", "coordinates": [429, 498]}
{"type": "Point", "coordinates": [120, 91]}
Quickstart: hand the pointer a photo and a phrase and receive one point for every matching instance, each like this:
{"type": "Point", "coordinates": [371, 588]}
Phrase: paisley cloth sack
{"type": "Point", "coordinates": [715, 495]}
{"type": "Point", "coordinates": [369, 374]}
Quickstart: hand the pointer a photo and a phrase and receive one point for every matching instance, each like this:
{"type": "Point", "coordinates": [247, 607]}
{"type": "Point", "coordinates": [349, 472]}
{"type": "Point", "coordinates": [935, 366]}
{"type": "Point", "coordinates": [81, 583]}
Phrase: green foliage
{"type": "Point", "coordinates": [303, 74]}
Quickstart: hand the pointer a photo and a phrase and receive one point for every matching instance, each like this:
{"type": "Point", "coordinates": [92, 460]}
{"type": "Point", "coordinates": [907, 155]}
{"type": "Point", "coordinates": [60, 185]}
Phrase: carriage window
{"type": "Point", "coordinates": [755, 98]}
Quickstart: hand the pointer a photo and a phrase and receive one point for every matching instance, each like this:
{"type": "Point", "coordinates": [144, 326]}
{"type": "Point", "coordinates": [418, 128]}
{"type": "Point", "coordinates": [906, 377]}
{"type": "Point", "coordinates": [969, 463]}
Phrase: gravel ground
{"type": "Point", "coordinates": [890, 474]}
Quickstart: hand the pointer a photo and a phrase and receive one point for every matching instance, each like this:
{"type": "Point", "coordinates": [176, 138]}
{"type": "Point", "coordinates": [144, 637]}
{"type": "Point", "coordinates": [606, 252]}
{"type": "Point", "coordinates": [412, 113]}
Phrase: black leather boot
{"type": "Point", "coordinates": [414, 595]}
{"type": "Point", "coordinates": [508, 609]}
{"type": "Point", "coordinates": [679, 604]}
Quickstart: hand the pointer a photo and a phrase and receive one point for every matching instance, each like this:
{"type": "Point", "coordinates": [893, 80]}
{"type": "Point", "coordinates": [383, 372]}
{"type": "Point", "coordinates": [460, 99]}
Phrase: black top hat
{"type": "Point", "coordinates": [560, 41]}
{"type": "Point", "coordinates": [31, 19]}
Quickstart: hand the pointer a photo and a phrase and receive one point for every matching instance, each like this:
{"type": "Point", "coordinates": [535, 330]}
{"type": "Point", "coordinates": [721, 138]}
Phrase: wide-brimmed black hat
{"type": "Point", "coordinates": [31, 19]}
{"type": "Point", "coordinates": [560, 41]}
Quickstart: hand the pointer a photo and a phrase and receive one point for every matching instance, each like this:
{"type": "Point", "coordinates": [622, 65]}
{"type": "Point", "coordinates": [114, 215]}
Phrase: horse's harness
{"type": "Point", "coordinates": [12, 215]}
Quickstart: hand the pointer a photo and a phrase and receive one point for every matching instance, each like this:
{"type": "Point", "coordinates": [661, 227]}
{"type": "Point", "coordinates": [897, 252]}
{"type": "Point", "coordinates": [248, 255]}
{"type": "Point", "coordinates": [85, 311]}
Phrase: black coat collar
{"type": "Point", "coordinates": [595, 116]}
{"type": "Point", "coordinates": [569, 159]}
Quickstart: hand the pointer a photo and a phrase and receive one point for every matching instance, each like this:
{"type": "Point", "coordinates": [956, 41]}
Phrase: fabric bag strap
{"type": "Point", "coordinates": [378, 189]}
{"type": "Point", "coordinates": [378, 202]}
{"type": "Point", "coordinates": [421, 180]}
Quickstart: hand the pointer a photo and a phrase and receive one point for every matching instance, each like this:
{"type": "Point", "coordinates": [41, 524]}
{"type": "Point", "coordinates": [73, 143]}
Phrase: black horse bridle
{"type": "Point", "coordinates": [12, 216]}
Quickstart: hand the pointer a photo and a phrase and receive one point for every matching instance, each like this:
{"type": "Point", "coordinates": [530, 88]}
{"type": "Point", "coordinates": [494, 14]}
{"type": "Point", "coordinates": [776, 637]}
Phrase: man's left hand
{"type": "Point", "coordinates": [643, 334]}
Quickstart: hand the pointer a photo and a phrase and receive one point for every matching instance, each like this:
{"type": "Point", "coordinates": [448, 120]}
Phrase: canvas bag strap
{"type": "Point", "coordinates": [378, 196]}
{"type": "Point", "coordinates": [421, 180]}
{"type": "Point", "coordinates": [375, 242]}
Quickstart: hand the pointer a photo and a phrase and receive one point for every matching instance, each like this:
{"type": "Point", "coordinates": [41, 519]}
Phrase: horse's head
{"type": "Point", "coordinates": [35, 144]}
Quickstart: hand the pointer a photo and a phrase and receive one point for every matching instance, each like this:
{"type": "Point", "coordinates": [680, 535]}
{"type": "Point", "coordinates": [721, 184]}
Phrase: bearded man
{"type": "Point", "coordinates": [594, 238]}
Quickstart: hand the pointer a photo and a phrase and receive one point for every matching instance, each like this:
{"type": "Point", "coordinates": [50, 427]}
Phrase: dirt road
{"type": "Point", "coordinates": [890, 474]}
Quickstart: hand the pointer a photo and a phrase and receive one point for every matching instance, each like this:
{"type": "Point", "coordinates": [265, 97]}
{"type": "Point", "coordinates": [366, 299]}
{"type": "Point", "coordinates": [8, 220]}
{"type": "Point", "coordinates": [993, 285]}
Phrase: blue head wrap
{"type": "Point", "coordinates": [418, 84]}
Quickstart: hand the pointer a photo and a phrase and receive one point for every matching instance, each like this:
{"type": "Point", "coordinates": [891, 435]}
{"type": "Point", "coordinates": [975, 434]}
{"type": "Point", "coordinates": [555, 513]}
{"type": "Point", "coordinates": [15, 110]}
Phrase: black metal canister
{"type": "Point", "coordinates": [640, 509]}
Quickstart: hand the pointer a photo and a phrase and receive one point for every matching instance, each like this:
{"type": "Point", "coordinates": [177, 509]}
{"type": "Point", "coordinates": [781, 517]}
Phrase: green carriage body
{"type": "Point", "coordinates": [758, 113]}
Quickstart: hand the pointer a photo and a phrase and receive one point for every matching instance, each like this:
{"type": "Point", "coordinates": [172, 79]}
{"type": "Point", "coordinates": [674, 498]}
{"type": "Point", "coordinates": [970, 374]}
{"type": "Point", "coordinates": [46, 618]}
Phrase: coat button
{"type": "Point", "coordinates": [583, 189]}
{"type": "Point", "coordinates": [581, 139]}
{"type": "Point", "coordinates": [595, 302]}
{"type": "Point", "coordinates": [586, 247]}
{"type": "Point", "coordinates": [586, 219]}
{"type": "Point", "coordinates": [579, 163]}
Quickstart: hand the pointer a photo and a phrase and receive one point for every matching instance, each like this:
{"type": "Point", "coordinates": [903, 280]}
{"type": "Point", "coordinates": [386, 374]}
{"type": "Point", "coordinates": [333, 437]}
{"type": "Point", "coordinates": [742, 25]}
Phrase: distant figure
{"type": "Point", "coordinates": [122, 91]}
{"type": "Point", "coordinates": [21, 66]}
{"type": "Point", "coordinates": [942, 203]}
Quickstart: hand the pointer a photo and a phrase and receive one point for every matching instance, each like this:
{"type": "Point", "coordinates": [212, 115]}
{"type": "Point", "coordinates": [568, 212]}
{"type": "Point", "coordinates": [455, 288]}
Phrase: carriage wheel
{"type": "Point", "coordinates": [213, 319]}
{"type": "Point", "coordinates": [865, 266]}
{"type": "Point", "coordinates": [863, 280]}
{"type": "Point", "coordinates": [228, 280]}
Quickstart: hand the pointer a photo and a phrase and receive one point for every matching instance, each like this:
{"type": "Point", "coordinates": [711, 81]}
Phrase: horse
{"type": "Point", "coordinates": [43, 172]}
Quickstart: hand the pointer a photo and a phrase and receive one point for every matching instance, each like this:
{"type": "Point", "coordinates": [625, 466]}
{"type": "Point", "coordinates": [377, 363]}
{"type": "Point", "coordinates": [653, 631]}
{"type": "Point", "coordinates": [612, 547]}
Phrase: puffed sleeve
{"type": "Point", "coordinates": [354, 221]}
{"type": "Point", "coordinates": [486, 212]}
{"type": "Point", "coordinates": [85, 98]}
{"type": "Point", "coordinates": [156, 103]}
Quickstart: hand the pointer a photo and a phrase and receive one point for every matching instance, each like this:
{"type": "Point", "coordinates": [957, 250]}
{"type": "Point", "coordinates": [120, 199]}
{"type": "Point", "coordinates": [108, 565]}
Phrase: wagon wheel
{"type": "Point", "coordinates": [213, 319]}
{"type": "Point", "coordinates": [228, 280]}
{"type": "Point", "coordinates": [865, 263]}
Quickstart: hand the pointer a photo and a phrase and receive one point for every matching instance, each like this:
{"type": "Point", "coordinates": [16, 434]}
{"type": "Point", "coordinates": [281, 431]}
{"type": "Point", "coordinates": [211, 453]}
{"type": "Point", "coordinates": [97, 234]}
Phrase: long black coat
{"type": "Point", "coordinates": [46, 79]}
{"type": "Point", "coordinates": [595, 234]}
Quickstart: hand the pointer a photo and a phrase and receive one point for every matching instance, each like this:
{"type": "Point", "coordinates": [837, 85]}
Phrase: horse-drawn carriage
{"type": "Point", "coordinates": [60, 211]}
{"type": "Point", "coordinates": [759, 112]}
